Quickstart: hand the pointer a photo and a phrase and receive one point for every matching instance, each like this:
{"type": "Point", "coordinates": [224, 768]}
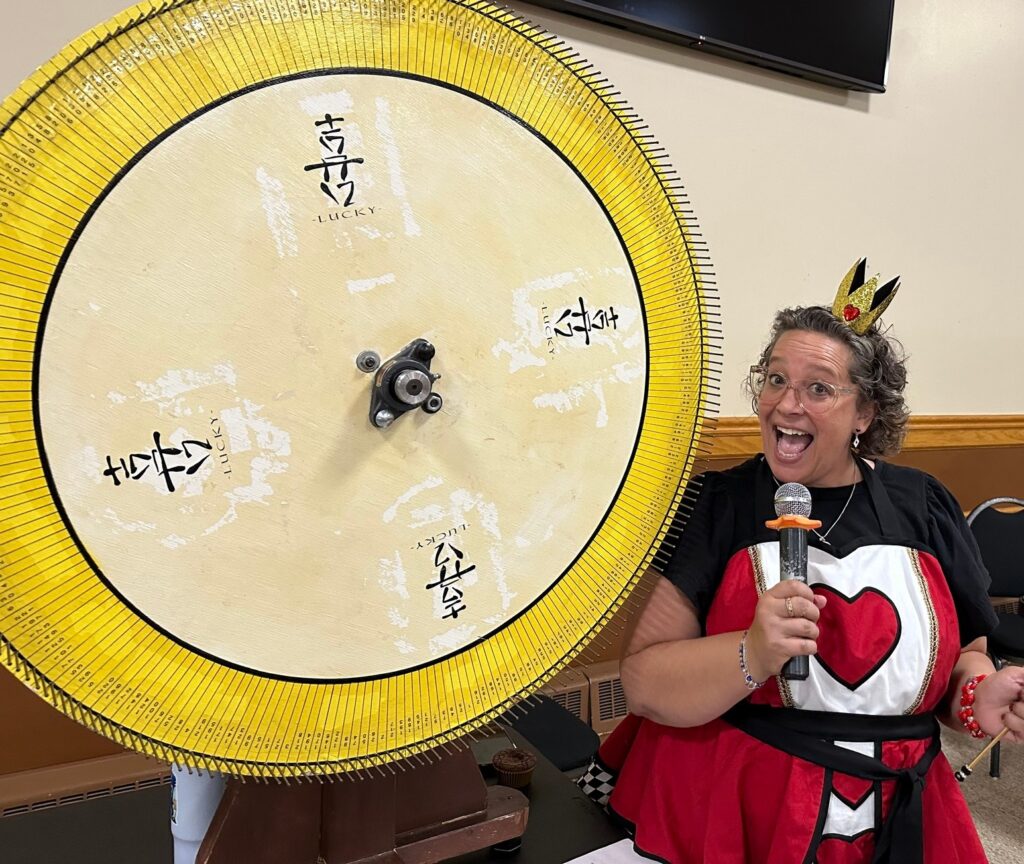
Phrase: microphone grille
{"type": "Point", "coordinates": [792, 499]}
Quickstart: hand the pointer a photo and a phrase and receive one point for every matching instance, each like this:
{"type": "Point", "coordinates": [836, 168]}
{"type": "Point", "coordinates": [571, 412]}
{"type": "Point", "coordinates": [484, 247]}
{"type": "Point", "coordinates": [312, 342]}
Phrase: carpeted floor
{"type": "Point", "coordinates": [997, 804]}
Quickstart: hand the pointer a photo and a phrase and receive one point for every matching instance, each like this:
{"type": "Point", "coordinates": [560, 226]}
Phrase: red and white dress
{"type": "Point", "coordinates": [906, 590]}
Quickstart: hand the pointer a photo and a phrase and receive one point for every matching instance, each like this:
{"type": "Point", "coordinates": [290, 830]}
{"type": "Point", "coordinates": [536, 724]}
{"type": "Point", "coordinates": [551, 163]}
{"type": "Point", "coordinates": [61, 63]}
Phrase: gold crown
{"type": "Point", "coordinates": [859, 303]}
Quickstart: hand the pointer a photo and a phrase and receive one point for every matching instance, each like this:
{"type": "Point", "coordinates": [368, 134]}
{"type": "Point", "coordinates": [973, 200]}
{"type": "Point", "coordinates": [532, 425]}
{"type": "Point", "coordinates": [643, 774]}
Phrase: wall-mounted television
{"type": "Point", "coordinates": [843, 44]}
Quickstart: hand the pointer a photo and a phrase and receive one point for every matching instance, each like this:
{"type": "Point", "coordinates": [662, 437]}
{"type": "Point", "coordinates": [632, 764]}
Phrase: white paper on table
{"type": "Point", "coordinates": [618, 853]}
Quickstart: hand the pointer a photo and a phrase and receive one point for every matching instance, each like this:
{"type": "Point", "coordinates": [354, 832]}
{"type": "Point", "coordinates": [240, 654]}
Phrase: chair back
{"type": "Point", "coordinates": [1000, 536]}
{"type": "Point", "coordinates": [560, 737]}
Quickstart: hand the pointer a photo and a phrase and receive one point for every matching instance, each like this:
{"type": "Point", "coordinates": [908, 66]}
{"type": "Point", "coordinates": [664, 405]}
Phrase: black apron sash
{"type": "Point", "coordinates": [809, 735]}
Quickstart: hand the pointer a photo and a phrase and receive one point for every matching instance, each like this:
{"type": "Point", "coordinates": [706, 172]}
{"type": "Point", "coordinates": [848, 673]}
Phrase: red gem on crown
{"type": "Point", "coordinates": [850, 312]}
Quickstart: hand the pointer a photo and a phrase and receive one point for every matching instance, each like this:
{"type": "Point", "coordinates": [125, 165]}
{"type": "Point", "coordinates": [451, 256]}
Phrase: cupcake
{"type": "Point", "coordinates": [514, 767]}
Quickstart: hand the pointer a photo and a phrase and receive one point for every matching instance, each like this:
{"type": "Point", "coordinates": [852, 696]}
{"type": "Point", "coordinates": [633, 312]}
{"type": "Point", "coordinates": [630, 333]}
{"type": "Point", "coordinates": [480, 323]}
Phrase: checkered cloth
{"type": "Point", "coordinates": [597, 782]}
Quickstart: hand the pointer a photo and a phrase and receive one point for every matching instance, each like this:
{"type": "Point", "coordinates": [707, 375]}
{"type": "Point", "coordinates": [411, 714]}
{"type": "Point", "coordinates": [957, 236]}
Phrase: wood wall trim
{"type": "Point", "coordinates": [739, 436]}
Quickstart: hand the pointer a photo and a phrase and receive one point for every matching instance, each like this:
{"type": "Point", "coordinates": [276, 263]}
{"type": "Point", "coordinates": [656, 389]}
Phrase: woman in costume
{"type": "Point", "coordinates": [725, 761]}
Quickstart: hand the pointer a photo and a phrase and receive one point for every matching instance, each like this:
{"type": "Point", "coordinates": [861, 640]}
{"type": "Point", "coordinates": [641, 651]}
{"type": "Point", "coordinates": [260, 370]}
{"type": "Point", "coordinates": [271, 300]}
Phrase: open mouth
{"type": "Point", "coordinates": [790, 443]}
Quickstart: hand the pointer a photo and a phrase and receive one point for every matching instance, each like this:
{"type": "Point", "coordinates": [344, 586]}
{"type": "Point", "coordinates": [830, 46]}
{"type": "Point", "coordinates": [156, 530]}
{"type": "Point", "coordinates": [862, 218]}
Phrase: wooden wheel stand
{"type": "Point", "coordinates": [426, 814]}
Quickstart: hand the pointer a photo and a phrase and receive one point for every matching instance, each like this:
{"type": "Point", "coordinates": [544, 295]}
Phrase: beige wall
{"type": "Point", "coordinates": [792, 181]}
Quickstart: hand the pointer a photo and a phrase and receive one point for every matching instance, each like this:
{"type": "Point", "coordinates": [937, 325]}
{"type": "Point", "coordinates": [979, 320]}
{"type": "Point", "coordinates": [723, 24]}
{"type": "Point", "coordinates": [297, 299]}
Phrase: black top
{"type": "Point", "coordinates": [728, 509]}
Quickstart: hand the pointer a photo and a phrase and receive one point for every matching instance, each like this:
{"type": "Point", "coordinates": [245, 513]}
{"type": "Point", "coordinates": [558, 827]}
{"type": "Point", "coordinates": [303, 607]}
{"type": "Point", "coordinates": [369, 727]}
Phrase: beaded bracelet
{"type": "Point", "coordinates": [966, 713]}
{"type": "Point", "coordinates": [748, 679]}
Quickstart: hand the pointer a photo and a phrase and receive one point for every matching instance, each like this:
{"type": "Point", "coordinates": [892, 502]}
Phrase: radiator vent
{"type": "Point", "coordinates": [57, 786]}
{"type": "Point", "coordinates": [607, 698]}
{"type": "Point", "coordinates": [571, 702]}
{"type": "Point", "coordinates": [570, 689]}
{"type": "Point", "coordinates": [611, 700]}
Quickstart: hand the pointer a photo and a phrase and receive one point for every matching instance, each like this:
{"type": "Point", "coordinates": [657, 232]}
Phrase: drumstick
{"type": "Point", "coordinates": [965, 770]}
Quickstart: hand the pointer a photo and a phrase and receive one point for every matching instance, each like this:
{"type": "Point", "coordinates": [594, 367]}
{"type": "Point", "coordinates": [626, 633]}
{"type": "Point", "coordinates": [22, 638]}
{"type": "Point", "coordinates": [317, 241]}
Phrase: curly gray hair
{"type": "Point", "coordinates": [878, 370]}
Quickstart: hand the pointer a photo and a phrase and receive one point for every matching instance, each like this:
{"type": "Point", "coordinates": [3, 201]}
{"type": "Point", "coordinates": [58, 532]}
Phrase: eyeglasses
{"type": "Point", "coordinates": [816, 397]}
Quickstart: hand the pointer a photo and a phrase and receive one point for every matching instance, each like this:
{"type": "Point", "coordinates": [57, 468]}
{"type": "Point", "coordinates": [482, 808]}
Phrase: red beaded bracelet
{"type": "Point", "coordinates": [966, 713]}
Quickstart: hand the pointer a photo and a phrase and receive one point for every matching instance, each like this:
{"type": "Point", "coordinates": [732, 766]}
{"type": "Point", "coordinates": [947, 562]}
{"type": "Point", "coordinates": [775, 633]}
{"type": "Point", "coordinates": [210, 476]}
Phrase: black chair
{"type": "Point", "coordinates": [1000, 536]}
{"type": "Point", "coordinates": [561, 737]}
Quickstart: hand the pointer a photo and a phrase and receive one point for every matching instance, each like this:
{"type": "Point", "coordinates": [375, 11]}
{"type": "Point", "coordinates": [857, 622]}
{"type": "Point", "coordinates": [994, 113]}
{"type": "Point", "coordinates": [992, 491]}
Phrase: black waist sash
{"type": "Point", "coordinates": [809, 735]}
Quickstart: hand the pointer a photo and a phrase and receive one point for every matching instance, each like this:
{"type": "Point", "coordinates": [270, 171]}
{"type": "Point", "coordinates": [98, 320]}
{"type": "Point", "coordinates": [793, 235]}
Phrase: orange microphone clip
{"type": "Point", "coordinates": [792, 521]}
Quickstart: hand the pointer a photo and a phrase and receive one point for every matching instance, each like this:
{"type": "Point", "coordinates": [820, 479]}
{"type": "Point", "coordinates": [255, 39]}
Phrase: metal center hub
{"type": "Point", "coordinates": [401, 383]}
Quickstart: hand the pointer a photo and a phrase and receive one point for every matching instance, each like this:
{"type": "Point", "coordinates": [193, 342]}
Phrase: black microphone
{"type": "Point", "coordinates": [793, 500]}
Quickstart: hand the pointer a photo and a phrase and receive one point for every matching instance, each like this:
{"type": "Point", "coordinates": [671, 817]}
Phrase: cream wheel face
{"type": "Point", "coordinates": [213, 548]}
{"type": "Point", "coordinates": [209, 437]}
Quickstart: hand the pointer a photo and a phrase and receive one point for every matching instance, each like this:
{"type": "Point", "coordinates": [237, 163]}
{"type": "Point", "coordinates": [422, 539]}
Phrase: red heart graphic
{"type": "Point", "coordinates": [857, 634]}
{"type": "Point", "coordinates": [852, 791]}
{"type": "Point", "coordinates": [850, 312]}
{"type": "Point", "coordinates": [840, 848]}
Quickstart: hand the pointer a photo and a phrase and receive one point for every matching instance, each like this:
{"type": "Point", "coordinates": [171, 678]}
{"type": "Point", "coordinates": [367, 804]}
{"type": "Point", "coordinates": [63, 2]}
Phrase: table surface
{"type": "Point", "coordinates": [563, 822]}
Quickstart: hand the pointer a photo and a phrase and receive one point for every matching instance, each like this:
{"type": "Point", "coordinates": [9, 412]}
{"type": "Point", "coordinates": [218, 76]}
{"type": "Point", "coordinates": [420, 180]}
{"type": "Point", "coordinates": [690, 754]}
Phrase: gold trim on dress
{"type": "Point", "coordinates": [933, 635]}
{"type": "Point", "coordinates": [760, 583]}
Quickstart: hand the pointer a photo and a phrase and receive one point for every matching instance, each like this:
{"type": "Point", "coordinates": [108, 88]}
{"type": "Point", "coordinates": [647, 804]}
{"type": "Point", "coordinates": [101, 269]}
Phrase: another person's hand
{"type": "Point", "coordinates": [999, 702]}
{"type": "Point", "coordinates": [784, 626]}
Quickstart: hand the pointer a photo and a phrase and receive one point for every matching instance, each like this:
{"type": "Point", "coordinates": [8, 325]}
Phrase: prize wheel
{"type": "Point", "coordinates": [354, 355]}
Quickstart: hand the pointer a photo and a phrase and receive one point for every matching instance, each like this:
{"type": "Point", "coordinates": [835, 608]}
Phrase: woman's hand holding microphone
{"type": "Point", "coordinates": [785, 625]}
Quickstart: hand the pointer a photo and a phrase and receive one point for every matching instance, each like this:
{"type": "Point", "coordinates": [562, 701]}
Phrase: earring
{"type": "Point", "coordinates": [856, 438]}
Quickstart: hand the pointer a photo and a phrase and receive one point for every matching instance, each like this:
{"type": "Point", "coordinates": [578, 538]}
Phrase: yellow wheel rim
{"type": "Point", "coordinates": [207, 210]}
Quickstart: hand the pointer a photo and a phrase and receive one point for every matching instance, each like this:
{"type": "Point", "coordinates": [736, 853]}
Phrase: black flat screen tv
{"type": "Point", "coordinates": [845, 44]}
